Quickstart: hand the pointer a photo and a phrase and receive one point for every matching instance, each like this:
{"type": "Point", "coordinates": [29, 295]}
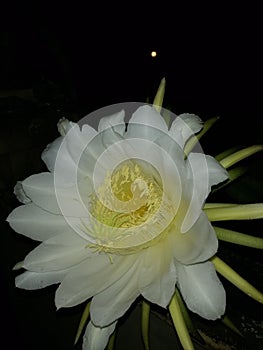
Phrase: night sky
{"type": "Point", "coordinates": [211, 59]}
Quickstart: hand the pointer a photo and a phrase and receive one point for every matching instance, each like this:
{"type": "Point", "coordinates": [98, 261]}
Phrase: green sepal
{"type": "Point", "coordinates": [190, 326]}
{"type": "Point", "coordinates": [240, 155]}
{"type": "Point", "coordinates": [232, 276]}
{"type": "Point", "coordinates": [112, 341]}
{"type": "Point", "coordinates": [227, 322]}
{"type": "Point", "coordinates": [158, 100]}
{"type": "Point", "coordinates": [145, 323]}
{"type": "Point", "coordinates": [179, 323]}
{"type": "Point", "coordinates": [83, 321]}
{"type": "Point", "coordinates": [226, 153]}
{"type": "Point", "coordinates": [235, 212]}
{"type": "Point", "coordinates": [238, 238]}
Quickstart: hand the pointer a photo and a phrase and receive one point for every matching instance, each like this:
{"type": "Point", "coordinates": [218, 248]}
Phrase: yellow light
{"type": "Point", "coordinates": [153, 53]}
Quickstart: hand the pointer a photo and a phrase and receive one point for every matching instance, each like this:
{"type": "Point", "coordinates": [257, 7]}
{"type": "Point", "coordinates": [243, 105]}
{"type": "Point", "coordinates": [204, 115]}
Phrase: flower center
{"type": "Point", "coordinates": [128, 197]}
{"type": "Point", "coordinates": [130, 211]}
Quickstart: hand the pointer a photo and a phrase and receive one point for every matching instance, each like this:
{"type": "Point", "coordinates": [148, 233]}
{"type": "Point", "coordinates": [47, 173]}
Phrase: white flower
{"type": "Point", "coordinates": [119, 215]}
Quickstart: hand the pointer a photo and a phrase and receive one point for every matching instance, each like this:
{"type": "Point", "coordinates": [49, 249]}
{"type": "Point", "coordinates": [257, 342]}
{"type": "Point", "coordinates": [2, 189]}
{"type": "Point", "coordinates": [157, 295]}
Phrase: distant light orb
{"type": "Point", "coordinates": [153, 53]}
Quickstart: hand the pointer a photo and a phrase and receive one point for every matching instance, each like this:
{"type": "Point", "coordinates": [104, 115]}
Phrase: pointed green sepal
{"type": "Point", "coordinates": [238, 238]}
{"type": "Point", "coordinates": [227, 322]}
{"type": "Point", "coordinates": [112, 341]}
{"type": "Point", "coordinates": [235, 212]}
{"type": "Point", "coordinates": [83, 322]}
{"type": "Point", "coordinates": [179, 324]}
{"type": "Point", "coordinates": [226, 153]}
{"type": "Point", "coordinates": [19, 265]}
{"type": "Point", "coordinates": [189, 324]}
{"type": "Point", "coordinates": [218, 205]}
{"type": "Point", "coordinates": [145, 323]}
{"type": "Point", "coordinates": [240, 155]}
{"type": "Point", "coordinates": [158, 100]}
{"type": "Point", "coordinates": [232, 276]}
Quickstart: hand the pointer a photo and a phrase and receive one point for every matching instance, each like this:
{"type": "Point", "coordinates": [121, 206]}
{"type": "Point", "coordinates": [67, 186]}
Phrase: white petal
{"type": "Point", "coordinates": [58, 253]}
{"type": "Point", "coordinates": [170, 145]}
{"type": "Point", "coordinates": [35, 223]}
{"type": "Point", "coordinates": [20, 193]}
{"type": "Point", "coordinates": [202, 290]}
{"type": "Point", "coordinates": [148, 115]}
{"type": "Point", "coordinates": [203, 172]}
{"type": "Point", "coordinates": [110, 304]}
{"type": "Point", "coordinates": [63, 126]}
{"type": "Point", "coordinates": [197, 244]}
{"type": "Point", "coordinates": [217, 173]}
{"type": "Point", "coordinates": [96, 338]}
{"type": "Point", "coordinates": [41, 190]}
{"type": "Point", "coordinates": [34, 280]}
{"type": "Point", "coordinates": [173, 165]}
{"type": "Point", "coordinates": [91, 277]}
{"type": "Point", "coordinates": [78, 140]}
{"type": "Point", "coordinates": [147, 123]}
{"type": "Point", "coordinates": [115, 121]}
{"type": "Point", "coordinates": [158, 275]}
{"type": "Point", "coordinates": [184, 126]}
{"type": "Point", "coordinates": [49, 155]}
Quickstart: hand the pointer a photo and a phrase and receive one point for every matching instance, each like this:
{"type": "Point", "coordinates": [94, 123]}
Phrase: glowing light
{"type": "Point", "coordinates": [153, 53]}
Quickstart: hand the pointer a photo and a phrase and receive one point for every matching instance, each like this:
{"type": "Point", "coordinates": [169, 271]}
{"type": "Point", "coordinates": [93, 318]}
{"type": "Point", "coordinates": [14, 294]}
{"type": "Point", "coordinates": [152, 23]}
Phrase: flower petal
{"type": "Point", "coordinates": [202, 290]}
{"type": "Point", "coordinates": [114, 121]}
{"type": "Point", "coordinates": [184, 126]}
{"type": "Point", "coordinates": [146, 123]}
{"type": "Point", "coordinates": [203, 172]}
{"type": "Point", "coordinates": [111, 303]}
{"type": "Point", "coordinates": [20, 193]}
{"type": "Point", "coordinates": [58, 253]}
{"type": "Point", "coordinates": [35, 280]}
{"type": "Point", "coordinates": [91, 277]}
{"type": "Point", "coordinates": [41, 190]}
{"type": "Point", "coordinates": [49, 155]}
{"type": "Point", "coordinates": [148, 115]}
{"type": "Point", "coordinates": [33, 222]}
{"type": "Point", "coordinates": [96, 338]}
{"type": "Point", "coordinates": [77, 140]}
{"type": "Point", "coordinates": [197, 244]}
{"type": "Point", "coordinates": [157, 277]}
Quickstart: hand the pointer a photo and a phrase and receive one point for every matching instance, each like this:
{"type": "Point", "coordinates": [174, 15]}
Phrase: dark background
{"type": "Point", "coordinates": [69, 60]}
